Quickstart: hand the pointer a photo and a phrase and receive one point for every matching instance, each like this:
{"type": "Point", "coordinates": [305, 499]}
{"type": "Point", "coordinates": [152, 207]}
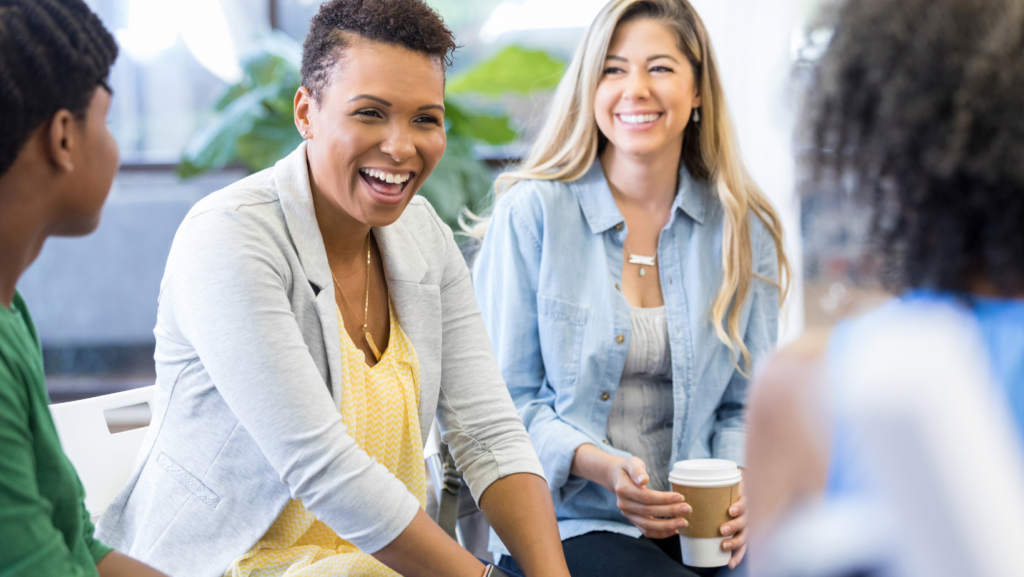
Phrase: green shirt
{"type": "Point", "coordinates": [44, 527]}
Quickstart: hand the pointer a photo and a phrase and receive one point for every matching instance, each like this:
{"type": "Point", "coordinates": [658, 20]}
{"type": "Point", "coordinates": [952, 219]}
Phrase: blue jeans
{"type": "Point", "coordinates": [601, 554]}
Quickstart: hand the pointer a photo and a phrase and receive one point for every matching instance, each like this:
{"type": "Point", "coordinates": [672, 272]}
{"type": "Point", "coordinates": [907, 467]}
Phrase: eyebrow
{"type": "Point", "coordinates": [649, 59]}
{"type": "Point", "coordinates": [389, 105]}
{"type": "Point", "coordinates": [370, 97]}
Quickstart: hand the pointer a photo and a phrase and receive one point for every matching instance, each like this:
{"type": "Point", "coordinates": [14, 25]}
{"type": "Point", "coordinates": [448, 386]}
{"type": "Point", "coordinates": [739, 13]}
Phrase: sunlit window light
{"type": "Point", "coordinates": [154, 27]}
{"type": "Point", "coordinates": [525, 15]}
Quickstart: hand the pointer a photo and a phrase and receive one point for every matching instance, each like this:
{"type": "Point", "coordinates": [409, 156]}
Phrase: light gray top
{"type": "Point", "coordinates": [640, 421]}
{"type": "Point", "coordinates": [247, 415]}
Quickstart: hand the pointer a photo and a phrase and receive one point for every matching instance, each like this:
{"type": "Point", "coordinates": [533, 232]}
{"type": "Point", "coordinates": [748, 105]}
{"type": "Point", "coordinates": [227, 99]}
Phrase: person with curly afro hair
{"type": "Point", "coordinates": [915, 116]}
{"type": "Point", "coordinates": [57, 164]}
{"type": "Point", "coordinates": [314, 321]}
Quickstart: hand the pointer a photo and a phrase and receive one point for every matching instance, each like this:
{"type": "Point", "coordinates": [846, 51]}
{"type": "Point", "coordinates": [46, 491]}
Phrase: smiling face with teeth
{"type": "Point", "coordinates": [647, 93]}
{"type": "Point", "coordinates": [376, 134]}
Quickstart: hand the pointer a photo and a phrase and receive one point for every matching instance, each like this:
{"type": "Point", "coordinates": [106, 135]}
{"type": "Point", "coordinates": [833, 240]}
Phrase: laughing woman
{"type": "Point", "coordinates": [313, 320]}
{"type": "Point", "coordinates": [628, 278]}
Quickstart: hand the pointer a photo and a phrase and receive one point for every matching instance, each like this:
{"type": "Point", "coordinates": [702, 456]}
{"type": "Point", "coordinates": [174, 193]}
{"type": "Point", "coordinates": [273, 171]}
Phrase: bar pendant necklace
{"type": "Point", "coordinates": [641, 260]}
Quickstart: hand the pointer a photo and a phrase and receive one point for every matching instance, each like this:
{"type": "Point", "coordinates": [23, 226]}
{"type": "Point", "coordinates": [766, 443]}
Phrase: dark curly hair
{"type": "Point", "coordinates": [408, 23]}
{"type": "Point", "coordinates": [916, 110]}
{"type": "Point", "coordinates": [53, 55]}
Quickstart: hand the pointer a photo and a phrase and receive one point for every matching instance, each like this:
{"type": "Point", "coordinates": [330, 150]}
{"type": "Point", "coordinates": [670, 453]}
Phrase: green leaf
{"type": "Point", "coordinates": [458, 181]}
{"type": "Point", "coordinates": [270, 140]}
{"type": "Point", "coordinates": [232, 94]}
{"type": "Point", "coordinates": [514, 69]}
{"type": "Point", "coordinates": [216, 144]}
{"type": "Point", "coordinates": [490, 129]}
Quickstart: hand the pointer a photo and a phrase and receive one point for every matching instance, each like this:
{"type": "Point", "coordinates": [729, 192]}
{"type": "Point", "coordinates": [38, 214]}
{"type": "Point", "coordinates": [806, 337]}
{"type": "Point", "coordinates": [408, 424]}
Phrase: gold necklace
{"type": "Point", "coordinates": [366, 308]}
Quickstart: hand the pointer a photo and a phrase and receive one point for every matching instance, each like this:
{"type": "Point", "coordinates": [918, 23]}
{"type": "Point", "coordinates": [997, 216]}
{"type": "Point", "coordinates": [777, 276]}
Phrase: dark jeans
{"type": "Point", "coordinates": [610, 554]}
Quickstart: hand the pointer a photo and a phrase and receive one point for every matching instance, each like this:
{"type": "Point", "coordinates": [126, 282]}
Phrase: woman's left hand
{"type": "Point", "coordinates": [736, 530]}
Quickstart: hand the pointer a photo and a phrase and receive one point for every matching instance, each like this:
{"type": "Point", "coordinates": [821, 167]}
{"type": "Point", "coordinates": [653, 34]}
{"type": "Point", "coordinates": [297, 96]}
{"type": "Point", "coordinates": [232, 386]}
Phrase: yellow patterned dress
{"type": "Point", "coordinates": [381, 410]}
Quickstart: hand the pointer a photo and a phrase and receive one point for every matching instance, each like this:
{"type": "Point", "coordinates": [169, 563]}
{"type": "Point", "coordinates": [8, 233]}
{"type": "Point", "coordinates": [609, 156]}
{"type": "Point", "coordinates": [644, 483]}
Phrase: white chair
{"type": "Point", "coordinates": [103, 459]}
{"type": "Point", "coordinates": [445, 483]}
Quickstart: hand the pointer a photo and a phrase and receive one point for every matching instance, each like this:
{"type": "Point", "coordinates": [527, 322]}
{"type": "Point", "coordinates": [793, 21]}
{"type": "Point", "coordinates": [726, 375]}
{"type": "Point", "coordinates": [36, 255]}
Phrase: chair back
{"type": "Point", "coordinates": [103, 459]}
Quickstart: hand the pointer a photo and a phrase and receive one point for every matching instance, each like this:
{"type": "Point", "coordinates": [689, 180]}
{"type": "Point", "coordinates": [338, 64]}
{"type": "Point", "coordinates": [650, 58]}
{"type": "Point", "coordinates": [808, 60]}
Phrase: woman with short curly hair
{"type": "Point", "coordinates": [314, 319]}
{"type": "Point", "coordinates": [915, 112]}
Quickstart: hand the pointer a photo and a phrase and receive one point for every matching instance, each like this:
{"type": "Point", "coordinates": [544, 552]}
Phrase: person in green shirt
{"type": "Point", "coordinates": [57, 163]}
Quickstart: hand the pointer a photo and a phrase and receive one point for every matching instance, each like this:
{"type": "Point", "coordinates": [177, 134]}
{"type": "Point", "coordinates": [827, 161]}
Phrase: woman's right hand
{"type": "Point", "coordinates": [658, 514]}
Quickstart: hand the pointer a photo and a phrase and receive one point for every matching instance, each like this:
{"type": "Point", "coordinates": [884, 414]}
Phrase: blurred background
{"type": "Point", "coordinates": [203, 92]}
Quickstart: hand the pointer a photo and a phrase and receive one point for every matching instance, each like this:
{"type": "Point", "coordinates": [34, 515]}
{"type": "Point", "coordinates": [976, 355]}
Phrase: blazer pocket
{"type": "Point", "coordinates": [188, 480]}
{"type": "Point", "coordinates": [561, 325]}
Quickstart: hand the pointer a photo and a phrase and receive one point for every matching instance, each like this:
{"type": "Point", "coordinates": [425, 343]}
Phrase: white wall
{"type": "Point", "coordinates": [752, 39]}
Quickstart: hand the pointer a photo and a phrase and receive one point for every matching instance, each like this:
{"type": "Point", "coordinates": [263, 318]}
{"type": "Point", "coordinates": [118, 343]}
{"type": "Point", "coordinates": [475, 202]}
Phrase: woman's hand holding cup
{"type": "Point", "coordinates": [658, 514]}
{"type": "Point", "coordinates": [736, 530]}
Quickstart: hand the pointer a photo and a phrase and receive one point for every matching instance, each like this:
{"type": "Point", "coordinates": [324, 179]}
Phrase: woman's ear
{"type": "Point", "coordinates": [696, 99]}
{"type": "Point", "coordinates": [64, 129]}
{"type": "Point", "coordinates": [303, 106]}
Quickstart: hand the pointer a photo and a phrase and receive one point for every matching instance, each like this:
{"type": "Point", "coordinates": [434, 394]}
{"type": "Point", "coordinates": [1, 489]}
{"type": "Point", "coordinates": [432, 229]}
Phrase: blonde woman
{"type": "Point", "coordinates": [629, 278]}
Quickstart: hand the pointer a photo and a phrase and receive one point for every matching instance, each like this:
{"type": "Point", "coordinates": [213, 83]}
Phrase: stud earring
{"type": "Point", "coordinates": [304, 134]}
{"type": "Point", "coordinates": [696, 115]}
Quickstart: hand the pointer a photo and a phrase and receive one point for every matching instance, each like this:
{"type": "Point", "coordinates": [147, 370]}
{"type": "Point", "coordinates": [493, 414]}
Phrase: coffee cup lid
{"type": "Point", "coordinates": [705, 473]}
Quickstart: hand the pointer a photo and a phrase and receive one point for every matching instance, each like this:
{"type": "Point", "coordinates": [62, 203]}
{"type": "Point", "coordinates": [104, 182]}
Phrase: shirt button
{"type": "Point", "coordinates": [605, 396]}
{"type": "Point", "coordinates": [605, 441]}
{"type": "Point", "coordinates": [620, 339]}
{"type": "Point", "coordinates": [618, 227]}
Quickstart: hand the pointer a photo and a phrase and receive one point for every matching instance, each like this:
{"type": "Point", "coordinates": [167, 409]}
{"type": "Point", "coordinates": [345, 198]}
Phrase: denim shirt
{"type": "Point", "coordinates": [548, 280]}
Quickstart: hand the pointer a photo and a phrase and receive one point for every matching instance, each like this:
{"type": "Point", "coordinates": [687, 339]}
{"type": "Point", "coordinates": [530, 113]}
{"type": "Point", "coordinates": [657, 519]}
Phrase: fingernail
{"type": "Point", "coordinates": [734, 511]}
{"type": "Point", "coordinates": [726, 545]}
{"type": "Point", "coordinates": [726, 530]}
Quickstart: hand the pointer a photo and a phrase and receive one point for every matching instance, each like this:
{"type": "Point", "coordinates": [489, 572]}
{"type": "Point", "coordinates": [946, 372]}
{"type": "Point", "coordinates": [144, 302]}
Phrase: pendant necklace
{"type": "Point", "coordinates": [641, 260]}
{"type": "Point", "coordinates": [366, 308]}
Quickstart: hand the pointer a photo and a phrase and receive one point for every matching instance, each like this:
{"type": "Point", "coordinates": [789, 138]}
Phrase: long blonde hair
{"type": "Point", "coordinates": [570, 141]}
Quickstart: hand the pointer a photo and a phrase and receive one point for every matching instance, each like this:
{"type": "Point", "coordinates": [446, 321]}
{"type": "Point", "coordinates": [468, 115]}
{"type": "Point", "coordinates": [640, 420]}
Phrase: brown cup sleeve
{"type": "Point", "coordinates": [710, 509]}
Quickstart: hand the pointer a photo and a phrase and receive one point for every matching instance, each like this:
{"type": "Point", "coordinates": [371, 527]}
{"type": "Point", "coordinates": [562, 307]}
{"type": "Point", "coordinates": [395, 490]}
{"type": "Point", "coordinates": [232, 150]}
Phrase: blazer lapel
{"type": "Point", "coordinates": [291, 176]}
{"type": "Point", "coordinates": [418, 308]}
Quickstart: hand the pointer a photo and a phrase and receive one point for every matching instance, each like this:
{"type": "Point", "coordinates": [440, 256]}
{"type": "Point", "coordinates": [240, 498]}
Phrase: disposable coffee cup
{"type": "Point", "coordinates": [710, 487]}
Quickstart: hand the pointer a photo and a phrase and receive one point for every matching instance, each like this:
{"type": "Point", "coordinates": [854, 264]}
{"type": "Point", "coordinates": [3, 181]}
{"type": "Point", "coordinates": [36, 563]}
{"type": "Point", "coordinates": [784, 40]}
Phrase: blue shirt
{"type": "Point", "coordinates": [1000, 323]}
{"type": "Point", "coordinates": [850, 486]}
{"type": "Point", "coordinates": [548, 280]}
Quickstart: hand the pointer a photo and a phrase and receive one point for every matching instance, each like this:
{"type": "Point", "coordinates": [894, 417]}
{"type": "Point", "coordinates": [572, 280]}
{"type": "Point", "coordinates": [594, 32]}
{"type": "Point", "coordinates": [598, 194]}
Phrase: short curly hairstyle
{"type": "Point", "coordinates": [411, 24]}
{"type": "Point", "coordinates": [916, 110]}
{"type": "Point", "coordinates": [53, 56]}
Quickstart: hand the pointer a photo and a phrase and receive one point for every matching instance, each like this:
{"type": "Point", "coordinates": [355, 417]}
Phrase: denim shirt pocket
{"type": "Point", "coordinates": [561, 326]}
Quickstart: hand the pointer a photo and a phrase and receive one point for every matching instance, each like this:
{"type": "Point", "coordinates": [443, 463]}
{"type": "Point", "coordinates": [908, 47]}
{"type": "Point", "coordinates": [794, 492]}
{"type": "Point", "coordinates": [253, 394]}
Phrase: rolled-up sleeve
{"type": "Point", "coordinates": [506, 281]}
{"type": "Point", "coordinates": [227, 293]}
{"type": "Point", "coordinates": [730, 430]}
{"type": "Point", "coordinates": [475, 414]}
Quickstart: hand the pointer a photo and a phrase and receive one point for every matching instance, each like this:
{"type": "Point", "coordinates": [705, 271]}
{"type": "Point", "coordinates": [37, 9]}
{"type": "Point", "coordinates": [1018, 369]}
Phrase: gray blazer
{"type": "Point", "coordinates": [247, 408]}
